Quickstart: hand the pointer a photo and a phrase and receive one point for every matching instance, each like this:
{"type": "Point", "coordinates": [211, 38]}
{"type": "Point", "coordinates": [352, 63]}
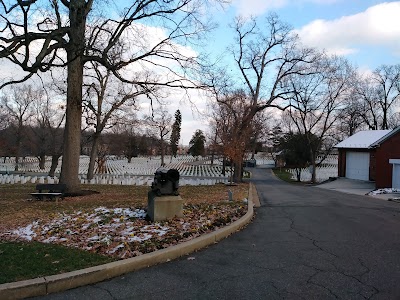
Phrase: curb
{"type": "Point", "coordinates": [61, 282]}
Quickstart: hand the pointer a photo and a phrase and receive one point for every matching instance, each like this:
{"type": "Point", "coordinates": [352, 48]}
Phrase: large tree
{"type": "Point", "coordinates": [105, 104]}
{"type": "Point", "coordinates": [264, 54]}
{"type": "Point", "coordinates": [39, 36]}
{"type": "Point", "coordinates": [233, 131]}
{"type": "Point", "coordinates": [317, 102]}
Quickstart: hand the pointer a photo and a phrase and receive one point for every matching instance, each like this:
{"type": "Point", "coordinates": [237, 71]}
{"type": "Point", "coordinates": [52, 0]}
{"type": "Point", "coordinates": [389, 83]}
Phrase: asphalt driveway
{"type": "Point", "coordinates": [305, 243]}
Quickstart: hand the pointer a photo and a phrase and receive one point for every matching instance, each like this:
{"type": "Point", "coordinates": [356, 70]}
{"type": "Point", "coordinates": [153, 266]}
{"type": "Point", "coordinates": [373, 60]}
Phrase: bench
{"type": "Point", "coordinates": [54, 191]}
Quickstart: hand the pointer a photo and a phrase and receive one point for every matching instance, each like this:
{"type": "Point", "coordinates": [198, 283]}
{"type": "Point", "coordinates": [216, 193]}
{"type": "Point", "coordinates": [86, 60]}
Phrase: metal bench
{"type": "Point", "coordinates": [54, 191]}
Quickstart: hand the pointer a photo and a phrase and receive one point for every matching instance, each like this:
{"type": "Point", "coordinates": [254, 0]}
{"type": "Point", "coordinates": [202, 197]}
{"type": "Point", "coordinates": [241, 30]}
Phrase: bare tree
{"type": "Point", "coordinates": [46, 125]}
{"type": "Point", "coordinates": [387, 79]}
{"type": "Point", "coordinates": [379, 95]}
{"type": "Point", "coordinates": [317, 103]}
{"type": "Point", "coordinates": [104, 104]}
{"type": "Point", "coordinates": [17, 102]}
{"type": "Point", "coordinates": [233, 129]}
{"type": "Point", "coordinates": [265, 55]}
{"type": "Point", "coordinates": [67, 33]}
{"type": "Point", "coordinates": [161, 125]}
{"type": "Point", "coordinates": [214, 148]}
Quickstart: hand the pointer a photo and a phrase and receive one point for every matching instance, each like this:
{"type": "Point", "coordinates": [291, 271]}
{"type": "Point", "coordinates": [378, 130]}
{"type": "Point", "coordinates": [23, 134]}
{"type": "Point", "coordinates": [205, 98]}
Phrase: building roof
{"type": "Point", "coordinates": [384, 138]}
{"type": "Point", "coordinates": [365, 139]}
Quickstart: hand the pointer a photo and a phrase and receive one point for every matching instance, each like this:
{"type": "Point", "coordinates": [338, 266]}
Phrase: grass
{"type": "Point", "coordinates": [282, 174]}
{"type": "Point", "coordinates": [25, 260]}
{"type": "Point", "coordinates": [19, 261]}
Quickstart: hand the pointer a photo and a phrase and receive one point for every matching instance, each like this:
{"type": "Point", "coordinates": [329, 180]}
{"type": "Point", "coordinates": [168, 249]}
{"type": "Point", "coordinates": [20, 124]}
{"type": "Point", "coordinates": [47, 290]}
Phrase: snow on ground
{"type": "Point", "coordinates": [124, 232]}
{"type": "Point", "coordinates": [384, 191]}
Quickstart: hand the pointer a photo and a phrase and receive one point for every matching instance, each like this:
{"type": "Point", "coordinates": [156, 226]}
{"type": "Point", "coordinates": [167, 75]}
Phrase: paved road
{"type": "Point", "coordinates": [305, 243]}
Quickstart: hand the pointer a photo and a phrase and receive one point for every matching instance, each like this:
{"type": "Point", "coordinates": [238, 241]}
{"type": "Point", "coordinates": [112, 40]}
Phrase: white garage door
{"type": "Point", "coordinates": [357, 165]}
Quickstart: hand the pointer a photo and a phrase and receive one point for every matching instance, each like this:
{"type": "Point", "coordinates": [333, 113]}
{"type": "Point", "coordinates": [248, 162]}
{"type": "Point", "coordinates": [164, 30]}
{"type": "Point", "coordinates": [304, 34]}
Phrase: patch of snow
{"type": "Point", "coordinates": [384, 191]}
{"type": "Point", "coordinates": [94, 238]}
{"type": "Point", "coordinates": [115, 249]}
{"type": "Point", "coordinates": [50, 240]}
{"type": "Point", "coordinates": [26, 232]}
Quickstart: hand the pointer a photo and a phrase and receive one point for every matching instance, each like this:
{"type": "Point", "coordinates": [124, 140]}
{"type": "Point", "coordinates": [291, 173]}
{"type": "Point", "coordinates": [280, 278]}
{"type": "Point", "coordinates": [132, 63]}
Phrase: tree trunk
{"type": "Point", "coordinates": [93, 155]}
{"type": "Point", "coordinates": [72, 133]}
{"type": "Point", "coordinates": [54, 164]}
{"type": "Point", "coordinates": [16, 162]}
{"type": "Point", "coordinates": [298, 174]}
{"type": "Point", "coordinates": [314, 170]}
{"type": "Point", "coordinates": [162, 155]}
{"type": "Point", "coordinates": [238, 171]}
{"type": "Point", "coordinates": [42, 161]}
{"type": "Point", "coordinates": [385, 125]}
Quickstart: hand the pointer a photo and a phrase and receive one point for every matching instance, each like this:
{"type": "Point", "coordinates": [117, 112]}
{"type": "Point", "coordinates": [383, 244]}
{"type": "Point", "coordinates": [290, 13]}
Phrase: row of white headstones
{"type": "Point", "coordinates": [140, 171]}
{"type": "Point", "coordinates": [328, 169]}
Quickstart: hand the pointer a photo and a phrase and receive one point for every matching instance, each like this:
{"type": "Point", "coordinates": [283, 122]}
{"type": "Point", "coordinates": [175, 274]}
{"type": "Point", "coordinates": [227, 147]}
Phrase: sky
{"type": "Point", "coordinates": [366, 32]}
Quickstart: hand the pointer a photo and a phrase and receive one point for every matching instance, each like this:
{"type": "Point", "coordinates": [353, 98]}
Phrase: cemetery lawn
{"type": "Point", "coordinates": [282, 174]}
{"type": "Point", "coordinates": [23, 260]}
{"type": "Point", "coordinates": [39, 238]}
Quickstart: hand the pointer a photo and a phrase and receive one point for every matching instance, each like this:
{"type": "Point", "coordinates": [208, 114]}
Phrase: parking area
{"type": "Point", "coordinates": [355, 187]}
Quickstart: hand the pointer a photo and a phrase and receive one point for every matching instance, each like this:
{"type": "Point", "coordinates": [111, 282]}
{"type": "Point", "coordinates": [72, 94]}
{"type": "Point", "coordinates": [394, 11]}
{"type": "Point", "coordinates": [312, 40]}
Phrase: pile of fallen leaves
{"type": "Point", "coordinates": [125, 232]}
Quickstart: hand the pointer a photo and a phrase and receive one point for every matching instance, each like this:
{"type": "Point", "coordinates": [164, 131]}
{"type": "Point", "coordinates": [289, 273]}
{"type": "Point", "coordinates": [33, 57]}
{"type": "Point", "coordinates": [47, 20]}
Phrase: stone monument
{"type": "Point", "coordinates": [163, 200]}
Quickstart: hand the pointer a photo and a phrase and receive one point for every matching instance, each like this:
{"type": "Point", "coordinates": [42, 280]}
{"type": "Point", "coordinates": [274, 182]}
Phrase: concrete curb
{"type": "Point", "coordinates": [61, 282]}
{"type": "Point", "coordinates": [253, 195]}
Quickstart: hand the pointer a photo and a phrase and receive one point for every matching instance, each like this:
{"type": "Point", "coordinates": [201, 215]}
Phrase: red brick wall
{"type": "Point", "coordinates": [342, 163]}
{"type": "Point", "coordinates": [372, 165]}
{"type": "Point", "coordinates": [390, 149]}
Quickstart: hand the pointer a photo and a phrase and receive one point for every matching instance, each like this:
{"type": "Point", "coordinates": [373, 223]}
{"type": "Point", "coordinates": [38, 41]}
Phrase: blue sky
{"type": "Point", "coordinates": [367, 32]}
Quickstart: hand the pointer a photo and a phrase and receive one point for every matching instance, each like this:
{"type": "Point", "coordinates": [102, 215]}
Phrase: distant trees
{"type": "Point", "coordinates": [197, 143]}
{"type": "Point", "coordinates": [322, 97]}
{"type": "Point", "coordinates": [160, 124]}
{"type": "Point", "coordinates": [317, 102]}
{"type": "Point", "coordinates": [47, 126]}
{"type": "Point", "coordinates": [378, 97]}
{"type": "Point", "coordinates": [297, 149]}
{"type": "Point", "coordinates": [176, 133]}
{"type": "Point", "coordinates": [274, 141]}
{"type": "Point", "coordinates": [104, 104]}
{"type": "Point", "coordinates": [265, 55]}
{"type": "Point", "coordinates": [17, 103]}
{"type": "Point", "coordinates": [39, 37]}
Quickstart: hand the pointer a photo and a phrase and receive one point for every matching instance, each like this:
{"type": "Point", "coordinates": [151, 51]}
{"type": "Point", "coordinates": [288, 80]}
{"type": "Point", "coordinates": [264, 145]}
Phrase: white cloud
{"type": "Point", "coordinates": [377, 26]}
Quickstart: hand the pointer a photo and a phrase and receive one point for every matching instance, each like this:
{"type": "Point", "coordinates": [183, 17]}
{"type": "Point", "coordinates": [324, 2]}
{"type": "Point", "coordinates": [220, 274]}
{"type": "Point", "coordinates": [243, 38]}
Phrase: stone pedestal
{"type": "Point", "coordinates": [161, 208]}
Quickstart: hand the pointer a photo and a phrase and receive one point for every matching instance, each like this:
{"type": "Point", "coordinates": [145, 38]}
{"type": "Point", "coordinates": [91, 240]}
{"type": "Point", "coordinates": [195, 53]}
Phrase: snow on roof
{"type": "Point", "coordinates": [363, 139]}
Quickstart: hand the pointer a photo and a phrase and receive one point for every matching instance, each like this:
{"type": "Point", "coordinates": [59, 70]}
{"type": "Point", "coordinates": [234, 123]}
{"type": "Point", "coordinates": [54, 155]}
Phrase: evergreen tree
{"type": "Point", "coordinates": [297, 150]}
{"type": "Point", "coordinates": [176, 133]}
{"type": "Point", "coordinates": [197, 143]}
